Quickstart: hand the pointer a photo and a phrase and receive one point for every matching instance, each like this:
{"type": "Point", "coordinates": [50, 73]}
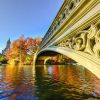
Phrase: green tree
{"type": "Point", "coordinates": [3, 58]}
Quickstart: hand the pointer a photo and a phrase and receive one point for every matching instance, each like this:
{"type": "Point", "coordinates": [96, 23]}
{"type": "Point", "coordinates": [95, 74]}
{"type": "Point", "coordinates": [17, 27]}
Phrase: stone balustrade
{"type": "Point", "coordinates": [62, 15]}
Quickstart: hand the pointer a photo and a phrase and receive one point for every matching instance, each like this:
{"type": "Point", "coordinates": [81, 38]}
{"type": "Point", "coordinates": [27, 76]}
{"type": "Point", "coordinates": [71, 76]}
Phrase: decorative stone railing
{"type": "Point", "coordinates": [64, 14]}
{"type": "Point", "coordinates": [87, 41]}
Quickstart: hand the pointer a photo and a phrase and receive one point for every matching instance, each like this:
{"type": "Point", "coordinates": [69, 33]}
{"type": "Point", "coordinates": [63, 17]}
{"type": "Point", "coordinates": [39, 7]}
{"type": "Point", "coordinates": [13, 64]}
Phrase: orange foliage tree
{"type": "Point", "coordinates": [22, 47]}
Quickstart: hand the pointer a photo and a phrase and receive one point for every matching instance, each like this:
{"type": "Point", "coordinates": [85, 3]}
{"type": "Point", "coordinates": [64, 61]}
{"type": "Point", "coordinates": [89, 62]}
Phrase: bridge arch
{"type": "Point", "coordinates": [47, 60]}
{"type": "Point", "coordinates": [45, 56]}
{"type": "Point", "coordinates": [84, 59]}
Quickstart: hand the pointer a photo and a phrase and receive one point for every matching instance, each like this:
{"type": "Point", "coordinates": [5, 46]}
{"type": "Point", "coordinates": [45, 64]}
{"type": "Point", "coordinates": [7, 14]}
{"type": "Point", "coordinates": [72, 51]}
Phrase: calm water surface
{"type": "Point", "coordinates": [52, 82]}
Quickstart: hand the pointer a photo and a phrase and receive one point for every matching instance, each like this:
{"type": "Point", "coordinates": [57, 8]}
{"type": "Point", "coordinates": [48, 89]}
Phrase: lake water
{"type": "Point", "coordinates": [51, 82]}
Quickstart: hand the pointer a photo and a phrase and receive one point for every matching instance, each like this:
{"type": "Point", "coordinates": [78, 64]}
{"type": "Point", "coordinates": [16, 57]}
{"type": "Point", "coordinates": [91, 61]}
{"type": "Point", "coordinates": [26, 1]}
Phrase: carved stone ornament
{"type": "Point", "coordinates": [87, 41]}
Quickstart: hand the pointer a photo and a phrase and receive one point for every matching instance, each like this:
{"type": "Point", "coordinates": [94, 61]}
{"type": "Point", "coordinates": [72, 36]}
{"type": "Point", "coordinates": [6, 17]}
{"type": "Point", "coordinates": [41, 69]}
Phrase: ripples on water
{"type": "Point", "coordinates": [63, 82]}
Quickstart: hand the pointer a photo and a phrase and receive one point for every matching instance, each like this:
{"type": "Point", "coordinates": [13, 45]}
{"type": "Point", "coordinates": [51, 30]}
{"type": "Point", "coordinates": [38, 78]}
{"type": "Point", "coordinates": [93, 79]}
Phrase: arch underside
{"type": "Point", "coordinates": [84, 59]}
{"type": "Point", "coordinates": [49, 58]}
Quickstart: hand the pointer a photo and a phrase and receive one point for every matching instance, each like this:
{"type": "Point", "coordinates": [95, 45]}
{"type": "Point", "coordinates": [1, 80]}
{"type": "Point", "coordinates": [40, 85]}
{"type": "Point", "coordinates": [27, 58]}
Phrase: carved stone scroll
{"type": "Point", "coordinates": [87, 41]}
{"type": "Point", "coordinates": [90, 39]}
{"type": "Point", "coordinates": [81, 41]}
{"type": "Point", "coordinates": [96, 48]}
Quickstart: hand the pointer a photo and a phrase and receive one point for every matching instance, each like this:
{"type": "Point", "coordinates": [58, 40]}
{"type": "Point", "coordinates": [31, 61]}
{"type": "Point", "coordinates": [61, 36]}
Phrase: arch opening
{"type": "Point", "coordinates": [53, 58]}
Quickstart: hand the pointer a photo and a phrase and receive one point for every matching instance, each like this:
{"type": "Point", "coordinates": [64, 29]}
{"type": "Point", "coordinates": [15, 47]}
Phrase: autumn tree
{"type": "Point", "coordinates": [23, 48]}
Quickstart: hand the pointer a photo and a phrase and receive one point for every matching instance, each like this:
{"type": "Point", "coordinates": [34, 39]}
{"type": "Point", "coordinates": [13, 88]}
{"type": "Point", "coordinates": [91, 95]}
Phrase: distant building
{"type": "Point", "coordinates": [7, 47]}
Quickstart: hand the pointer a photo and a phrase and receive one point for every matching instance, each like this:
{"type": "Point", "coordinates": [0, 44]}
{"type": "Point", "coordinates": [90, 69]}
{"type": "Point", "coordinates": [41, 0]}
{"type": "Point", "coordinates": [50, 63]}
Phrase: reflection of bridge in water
{"type": "Point", "coordinates": [75, 33]}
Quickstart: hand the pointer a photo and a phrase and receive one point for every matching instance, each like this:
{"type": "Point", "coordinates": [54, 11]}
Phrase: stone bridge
{"type": "Point", "coordinates": [75, 33]}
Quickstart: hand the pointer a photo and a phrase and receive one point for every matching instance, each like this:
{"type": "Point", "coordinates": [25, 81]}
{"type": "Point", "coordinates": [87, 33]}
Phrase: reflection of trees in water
{"type": "Point", "coordinates": [64, 82]}
{"type": "Point", "coordinates": [19, 83]}
{"type": "Point", "coordinates": [26, 97]}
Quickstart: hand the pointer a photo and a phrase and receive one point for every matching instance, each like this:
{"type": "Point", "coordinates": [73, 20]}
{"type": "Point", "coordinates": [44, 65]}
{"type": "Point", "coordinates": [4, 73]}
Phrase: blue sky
{"type": "Point", "coordinates": [30, 18]}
